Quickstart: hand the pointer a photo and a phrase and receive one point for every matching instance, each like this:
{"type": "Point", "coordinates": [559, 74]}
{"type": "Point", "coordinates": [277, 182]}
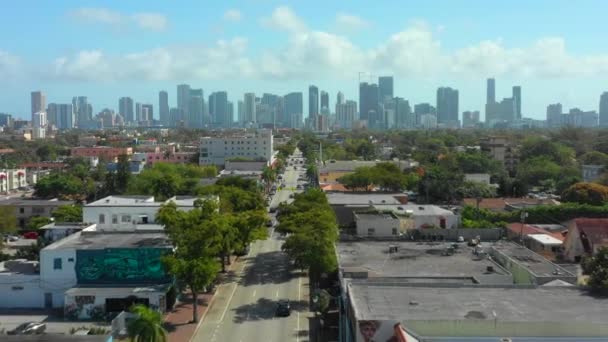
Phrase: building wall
{"type": "Point", "coordinates": [382, 226]}
{"type": "Point", "coordinates": [12, 179]}
{"type": "Point", "coordinates": [88, 307]}
{"type": "Point", "coordinates": [106, 153]}
{"type": "Point", "coordinates": [118, 217]}
{"type": "Point", "coordinates": [20, 291]}
{"type": "Point", "coordinates": [478, 177]}
{"type": "Point", "coordinates": [24, 211]}
{"type": "Point", "coordinates": [57, 281]}
{"type": "Point", "coordinates": [175, 158]}
{"type": "Point", "coordinates": [215, 151]}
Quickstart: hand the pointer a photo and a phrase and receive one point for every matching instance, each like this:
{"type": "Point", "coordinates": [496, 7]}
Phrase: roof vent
{"type": "Point", "coordinates": [420, 208]}
{"type": "Point", "coordinates": [108, 200]}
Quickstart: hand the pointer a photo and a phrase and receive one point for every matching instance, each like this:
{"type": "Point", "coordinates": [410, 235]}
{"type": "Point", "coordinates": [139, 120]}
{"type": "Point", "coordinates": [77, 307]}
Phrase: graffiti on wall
{"type": "Point", "coordinates": [122, 265]}
{"type": "Point", "coordinates": [378, 331]}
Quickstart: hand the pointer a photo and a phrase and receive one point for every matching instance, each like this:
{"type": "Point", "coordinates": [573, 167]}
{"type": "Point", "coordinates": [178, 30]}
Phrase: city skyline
{"type": "Point", "coordinates": [269, 47]}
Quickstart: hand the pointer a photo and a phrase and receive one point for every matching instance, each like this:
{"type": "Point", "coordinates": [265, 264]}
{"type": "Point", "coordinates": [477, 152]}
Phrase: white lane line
{"type": "Point", "coordinates": [276, 295]}
{"type": "Point", "coordinates": [253, 294]}
{"type": "Point", "coordinates": [228, 303]}
{"type": "Point", "coordinates": [299, 298]}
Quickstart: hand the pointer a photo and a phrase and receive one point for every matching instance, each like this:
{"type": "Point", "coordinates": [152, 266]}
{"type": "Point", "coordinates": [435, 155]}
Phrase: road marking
{"type": "Point", "coordinates": [277, 294]}
{"type": "Point", "coordinates": [253, 294]}
{"type": "Point", "coordinates": [229, 301]}
{"type": "Point", "coordinates": [299, 298]}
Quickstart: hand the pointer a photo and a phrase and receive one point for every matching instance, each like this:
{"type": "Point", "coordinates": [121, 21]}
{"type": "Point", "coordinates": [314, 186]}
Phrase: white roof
{"type": "Point", "coordinates": [545, 239]}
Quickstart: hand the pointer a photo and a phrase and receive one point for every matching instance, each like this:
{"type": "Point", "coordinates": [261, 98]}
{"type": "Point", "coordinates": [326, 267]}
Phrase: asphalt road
{"type": "Point", "coordinates": [243, 309]}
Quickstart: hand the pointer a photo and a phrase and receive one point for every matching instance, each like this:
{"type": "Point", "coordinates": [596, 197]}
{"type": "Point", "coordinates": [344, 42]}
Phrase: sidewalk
{"type": "Point", "coordinates": [178, 320]}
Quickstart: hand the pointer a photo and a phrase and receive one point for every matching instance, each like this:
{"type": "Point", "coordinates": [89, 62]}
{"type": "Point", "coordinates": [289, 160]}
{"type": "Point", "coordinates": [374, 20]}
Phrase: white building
{"type": "Point", "coordinates": [346, 114]}
{"type": "Point", "coordinates": [420, 216]}
{"type": "Point", "coordinates": [377, 224]}
{"type": "Point", "coordinates": [478, 177]}
{"type": "Point", "coordinates": [120, 213]}
{"type": "Point", "coordinates": [253, 146]}
{"type": "Point", "coordinates": [12, 179]}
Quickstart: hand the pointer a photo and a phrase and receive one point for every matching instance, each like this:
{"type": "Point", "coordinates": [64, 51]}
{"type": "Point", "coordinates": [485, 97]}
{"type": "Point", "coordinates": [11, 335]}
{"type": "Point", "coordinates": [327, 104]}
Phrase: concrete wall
{"type": "Point", "coordinates": [488, 234]}
{"type": "Point", "coordinates": [382, 226]}
{"type": "Point", "coordinates": [57, 281]}
{"type": "Point", "coordinates": [124, 215]}
{"type": "Point", "coordinates": [20, 291]}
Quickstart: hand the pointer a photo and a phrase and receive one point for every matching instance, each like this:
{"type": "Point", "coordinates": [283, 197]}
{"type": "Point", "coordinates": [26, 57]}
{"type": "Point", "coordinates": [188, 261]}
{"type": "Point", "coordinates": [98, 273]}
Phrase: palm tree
{"type": "Point", "coordinates": [147, 327]}
{"type": "Point", "coordinates": [268, 176]}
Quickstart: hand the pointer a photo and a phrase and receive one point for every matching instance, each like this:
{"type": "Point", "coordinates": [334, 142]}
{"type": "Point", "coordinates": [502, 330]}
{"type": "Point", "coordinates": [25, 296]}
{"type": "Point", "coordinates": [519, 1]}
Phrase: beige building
{"type": "Point", "coordinates": [501, 150]}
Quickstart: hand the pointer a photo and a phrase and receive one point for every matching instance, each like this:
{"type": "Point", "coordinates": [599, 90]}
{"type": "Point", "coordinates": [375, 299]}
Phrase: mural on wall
{"type": "Point", "coordinates": [379, 331]}
{"type": "Point", "coordinates": [122, 265]}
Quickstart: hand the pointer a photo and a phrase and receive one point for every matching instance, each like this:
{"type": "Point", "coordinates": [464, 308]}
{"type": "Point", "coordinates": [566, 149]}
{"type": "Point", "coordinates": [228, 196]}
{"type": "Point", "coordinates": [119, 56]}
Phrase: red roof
{"type": "Point", "coordinates": [516, 228]}
{"type": "Point", "coordinates": [595, 229]}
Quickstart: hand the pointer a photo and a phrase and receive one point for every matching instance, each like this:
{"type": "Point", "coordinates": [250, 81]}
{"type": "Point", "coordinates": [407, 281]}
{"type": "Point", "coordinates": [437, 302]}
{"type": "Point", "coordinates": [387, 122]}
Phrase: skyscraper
{"type": "Point", "coordinates": [604, 109]}
{"type": "Point", "coordinates": [61, 115]}
{"type": "Point", "coordinates": [183, 100]}
{"type": "Point", "coordinates": [404, 117]}
{"type": "Point", "coordinates": [249, 111]}
{"type": "Point", "coordinates": [195, 108]}
{"type": "Point", "coordinates": [313, 101]}
{"type": "Point", "coordinates": [147, 113]}
{"type": "Point", "coordinates": [491, 91]}
{"type": "Point", "coordinates": [385, 88]}
{"type": "Point", "coordinates": [324, 100]}
{"type": "Point", "coordinates": [293, 110]}
{"type": "Point", "coordinates": [517, 100]}
{"type": "Point", "coordinates": [340, 98]}
{"type": "Point", "coordinates": [346, 113]}
{"type": "Point", "coordinates": [368, 101]}
{"type": "Point", "coordinates": [38, 102]}
{"type": "Point", "coordinates": [447, 106]}
{"type": "Point", "coordinates": [554, 115]}
{"type": "Point", "coordinates": [229, 115]}
{"type": "Point", "coordinates": [423, 109]}
{"type": "Point", "coordinates": [125, 108]}
{"type": "Point", "coordinates": [241, 112]}
{"type": "Point", "coordinates": [163, 108]}
{"type": "Point", "coordinates": [219, 116]}
{"type": "Point", "coordinates": [470, 119]}
{"type": "Point", "coordinates": [83, 110]}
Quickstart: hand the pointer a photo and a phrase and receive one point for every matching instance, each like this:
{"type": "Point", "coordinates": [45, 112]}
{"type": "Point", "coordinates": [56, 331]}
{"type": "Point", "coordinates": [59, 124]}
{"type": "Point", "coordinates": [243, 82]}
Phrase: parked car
{"type": "Point", "coordinates": [30, 235]}
{"type": "Point", "coordinates": [283, 308]}
{"type": "Point", "coordinates": [28, 328]}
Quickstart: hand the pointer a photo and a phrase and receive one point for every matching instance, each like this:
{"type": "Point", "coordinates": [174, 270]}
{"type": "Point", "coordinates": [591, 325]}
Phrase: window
{"type": "Point", "coordinates": [395, 231]}
{"type": "Point", "coordinates": [102, 218]}
{"type": "Point", "coordinates": [57, 263]}
{"type": "Point", "coordinates": [371, 231]}
{"type": "Point", "coordinates": [38, 210]}
{"type": "Point", "coordinates": [70, 259]}
{"type": "Point", "coordinates": [21, 210]}
{"type": "Point", "coordinates": [125, 218]}
{"type": "Point", "coordinates": [114, 219]}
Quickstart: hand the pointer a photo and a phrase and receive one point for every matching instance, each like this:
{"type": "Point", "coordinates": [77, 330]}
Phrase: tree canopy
{"type": "Point", "coordinates": [597, 268]}
{"type": "Point", "coordinates": [147, 326]}
{"type": "Point", "coordinates": [586, 193]}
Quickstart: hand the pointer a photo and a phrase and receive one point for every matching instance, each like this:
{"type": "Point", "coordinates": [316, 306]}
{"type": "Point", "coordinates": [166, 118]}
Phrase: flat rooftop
{"type": "Point", "coordinates": [378, 215]}
{"type": "Point", "coordinates": [533, 262]}
{"type": "Point", "coordinates": [101, 240]}
{"type": "Point", "coordinates": [363, 199]}
{"type": "Point", "coordinates": [415, 209]}
{"type": "Point", "coordinates": [413, 259]}
{"type": "Point", "coordinates": [141, 201]}
{"type": "Point", "coordinates": [19, 266]}
{"type": "Point", "coordinates": [33, 202]}
{"type": "Point", "coordinates": [483, 311]}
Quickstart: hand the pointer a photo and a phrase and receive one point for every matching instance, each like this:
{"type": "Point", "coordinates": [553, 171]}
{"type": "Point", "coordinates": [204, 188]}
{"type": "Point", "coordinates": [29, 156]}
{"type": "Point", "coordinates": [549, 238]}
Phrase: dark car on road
{"type": "Point", "coordinates": [28, 328]}
{"type": "Point", "coordinates": [283, 308]}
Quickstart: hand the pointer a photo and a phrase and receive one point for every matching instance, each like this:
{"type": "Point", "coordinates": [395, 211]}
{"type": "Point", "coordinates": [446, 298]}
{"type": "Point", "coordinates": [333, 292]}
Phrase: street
{"type": "Point", "coordinates": [243, 309]}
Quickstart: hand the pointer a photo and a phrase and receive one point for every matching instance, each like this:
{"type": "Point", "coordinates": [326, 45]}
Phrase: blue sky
{"type": "Point", "coordinates": [554, 49]}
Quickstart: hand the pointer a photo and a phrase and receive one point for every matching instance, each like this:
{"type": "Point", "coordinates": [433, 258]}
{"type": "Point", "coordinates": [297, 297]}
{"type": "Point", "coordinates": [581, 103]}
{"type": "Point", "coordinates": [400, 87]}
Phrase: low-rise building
{"type": "Point", "coordinates": [174, 158]}
{"type": "Point", "coordinates": [591, 173]}
{"type": "Point", "coordinates": [102, 152]}
{"type": "Point", "coordinates": [25, 209]}
{"type": "Point", "coordinates": [509, 204]}
{"type": "Point", "coordinates": [12, 179]}
{"type": "Point", "coordinates": [377, 224]}
{"type": "Point", "coordinates": [585, 237]}
{"type": "Point", "coordinates": [335, 169]}
{"type": "Point", "coordinates": [216, 150]}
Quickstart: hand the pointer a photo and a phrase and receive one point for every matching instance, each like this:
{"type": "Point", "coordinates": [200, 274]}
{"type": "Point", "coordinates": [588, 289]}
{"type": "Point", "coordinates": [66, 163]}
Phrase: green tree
{"type": "Point", "coordinates": [586, 193]}
{"type": "Point", "coordinates": [147, 326]}
{"type": "Point", "coordinates": [63, 186]}
{"type": "Point", "coordinates": [123, 173]}
{"type": "Point", "coordinates": [269, 176]}
{"type": "Point", "coordinates": [597, 269]}
{"type": "Point", "coordinates": [197, 243]}
{"type": "Point", "coordinates": [536, 147]}
{"type": "Point", "coordinates": [477, 190]}
{"type": "Point", "coordinates": [536, 169]}
{"type": "Point", "coordinates": [8, 221]}
{"type": "Point", "coordinates": [47, 152]}
{"type": "Point", "coordinates": [593, 158]}
{"type": "Point", "coordinates": [36, 222]}
{"type": "Point", "coordinates": [67, 213]}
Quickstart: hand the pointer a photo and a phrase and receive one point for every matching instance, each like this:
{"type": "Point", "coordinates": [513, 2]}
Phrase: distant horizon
{"type": "Point", "coordinates": [113, 49]}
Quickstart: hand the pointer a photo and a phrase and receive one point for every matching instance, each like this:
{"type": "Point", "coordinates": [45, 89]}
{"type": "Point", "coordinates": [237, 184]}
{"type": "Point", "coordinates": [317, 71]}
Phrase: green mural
{"type": "Point", "coordinates": [121, 265]}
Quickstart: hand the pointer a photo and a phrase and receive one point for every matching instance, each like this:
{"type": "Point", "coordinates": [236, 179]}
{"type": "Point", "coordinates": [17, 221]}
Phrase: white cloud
{"type": "Point", "coordinates": [10, 65]}
{"type": "Point", "coordinates": [349, 22]}
{"type": "Point", "coordinates": [232, 15]}
{"type": "Point", "coordinates": [150, 21]}
{"type": "Point", "coordinates": [415, 52]}
{"type": "Point", "coordinates": [283, 18]}
{"type": "Point", "coordinates": [104, 16]}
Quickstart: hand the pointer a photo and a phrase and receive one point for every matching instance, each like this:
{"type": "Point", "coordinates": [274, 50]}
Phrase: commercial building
{"type": "Point", "coordinates": [61, 115]}
{"type": "Point", "coordinates": [604, 110]}
{"type": "Point", "coordinates": [517, 100]}
{"type": "Point", "coordinates": [163, 108]}
{"type": "Point", "coordinates": [447, 107]}
{"type": "Point", "coordinates": [368, 102]}
{"type": "Point", "coordinates": [249, 114]}
{"type": "Point", "coordinates": [38, 102]}
{"type": "Point", "coordinates": [470, 119]}
{"type": "Point", "coordinates": [313, 101]}
{"type": "Point", "coordinates": [346, 113]}
{"type": "Point", "coordinates": [423, 109]}
{"type": "Point", "coordinates": [490, 91]}
{"type": "Point", "coordinates": [125, 108]}
{"type": "Point", "coordinates": [183, 102]}
{"type": "Point", "coordinates": [385, 88]}
{"type": "Point", "coordinates": [500, 149]}
{"type": "Point", "coordinates": [253, 146]}
{"type": "Point", "coordinates": [102, 152]}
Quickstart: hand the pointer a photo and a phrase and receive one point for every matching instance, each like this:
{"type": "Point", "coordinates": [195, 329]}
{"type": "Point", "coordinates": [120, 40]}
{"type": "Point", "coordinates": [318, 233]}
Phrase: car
{"type": "Point", "coordinates": [273, 210]}
{"type": "Point", "coordinates": [269, 223]}
{"type": "Point", "coordinates": [291, 196]}
{"type": "Point", "coordinates": [30, 235]}
{"type": "Point", "coordinates": [283, 308]}
{"type": "Point", "coordinates": [299, 187]}
{"type": "Point", "coordinates": [28, 328]}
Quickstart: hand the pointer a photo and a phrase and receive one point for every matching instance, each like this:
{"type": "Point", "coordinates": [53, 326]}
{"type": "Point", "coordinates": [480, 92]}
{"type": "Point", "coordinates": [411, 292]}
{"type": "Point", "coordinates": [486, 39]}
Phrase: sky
{"type": "Point", "coordinates": [554, 49]}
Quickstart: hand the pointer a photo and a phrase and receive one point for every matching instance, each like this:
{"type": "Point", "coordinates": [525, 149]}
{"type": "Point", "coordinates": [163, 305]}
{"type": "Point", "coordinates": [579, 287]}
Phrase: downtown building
{"type": "Point", "coordinates": [447, 107]}
{"type": "Point", "coordinates": [293, 110]}
{"type": "Point", "coordinates": [257, 146]}
{"type": "Point", "coordinates": [61, 115]}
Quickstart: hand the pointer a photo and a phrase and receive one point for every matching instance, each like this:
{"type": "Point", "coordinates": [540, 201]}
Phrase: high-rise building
{"type": "Point", "coordinates": [580, 118]}
{"type": "Point", "coordinates": [249, 109]}
{"type": "Point", "coordinates": [125, 108]}
{"type": "Point", "coordinates": [324, 100]}
{"type": "Point", "coordinates": [491, 90]}
{"type": "Point", "coordinates": [61, 115]}
{"type": "Point", "coordinates": [195, 108]}
{"type": "Point", "coordinates": [38, 102]}
{"type": "Point", "coordinates": [229, 122]}
{"type": "Point", "coordinates": [83, 111]}
{"type": "Point", "coordinates": [447, 107]}
{"type": "Point", "coordinates": [346, 113]}
{"type": "Point", "coordinates": [293, 110]}
{"type": "Point", "coordinates": [313, 101]}
{"type": "Point", "coordinates": [175, 115]}
{"type": "Point", "coordinates": [470, 119]}
{"type": "Point", "coordinates": [218, 109]}
{"type": "Point", "coordinates": [604, 109]}
{"type": "Point", "coordinates": [183, 101]}
{"type": "Point", "coordinates": [340, 98]}
{"type": "Point", "coordinates": [241, 112]}
{"type": "Point", "coordinates": [6, 120]}
{"type": "Point", "coordinates": [423, 109]}
{"type": "Point", "coordinates": [554, 115]}
{"type": "Point", "coordinates": [163, 108]}
{"type": "Point", "coordinates": [368, 101]}
{"type": "Point", "coordinates": [385, 88]}
{"type": "Point", "coordinates": [404, 117]}
{"type": "Point", "coordinates": [517, 100]}
{"type": "Point", "coordinates": [500, 112]}
{"type": "Point", "coordinates": [147, 113]}
{"type": "Point", "coordinates": [39, 123]}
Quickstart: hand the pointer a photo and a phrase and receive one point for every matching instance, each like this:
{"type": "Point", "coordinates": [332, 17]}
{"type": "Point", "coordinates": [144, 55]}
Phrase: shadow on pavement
{"type": "Point", "coordinates": [263, 309]}
{"type": "Point", "coordinates": [268, 268]}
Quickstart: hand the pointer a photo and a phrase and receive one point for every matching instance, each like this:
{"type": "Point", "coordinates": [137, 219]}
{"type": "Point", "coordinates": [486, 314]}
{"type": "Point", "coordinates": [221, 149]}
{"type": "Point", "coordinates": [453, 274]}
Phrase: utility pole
{"type": "Point", "coordinates": [522, 217]}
